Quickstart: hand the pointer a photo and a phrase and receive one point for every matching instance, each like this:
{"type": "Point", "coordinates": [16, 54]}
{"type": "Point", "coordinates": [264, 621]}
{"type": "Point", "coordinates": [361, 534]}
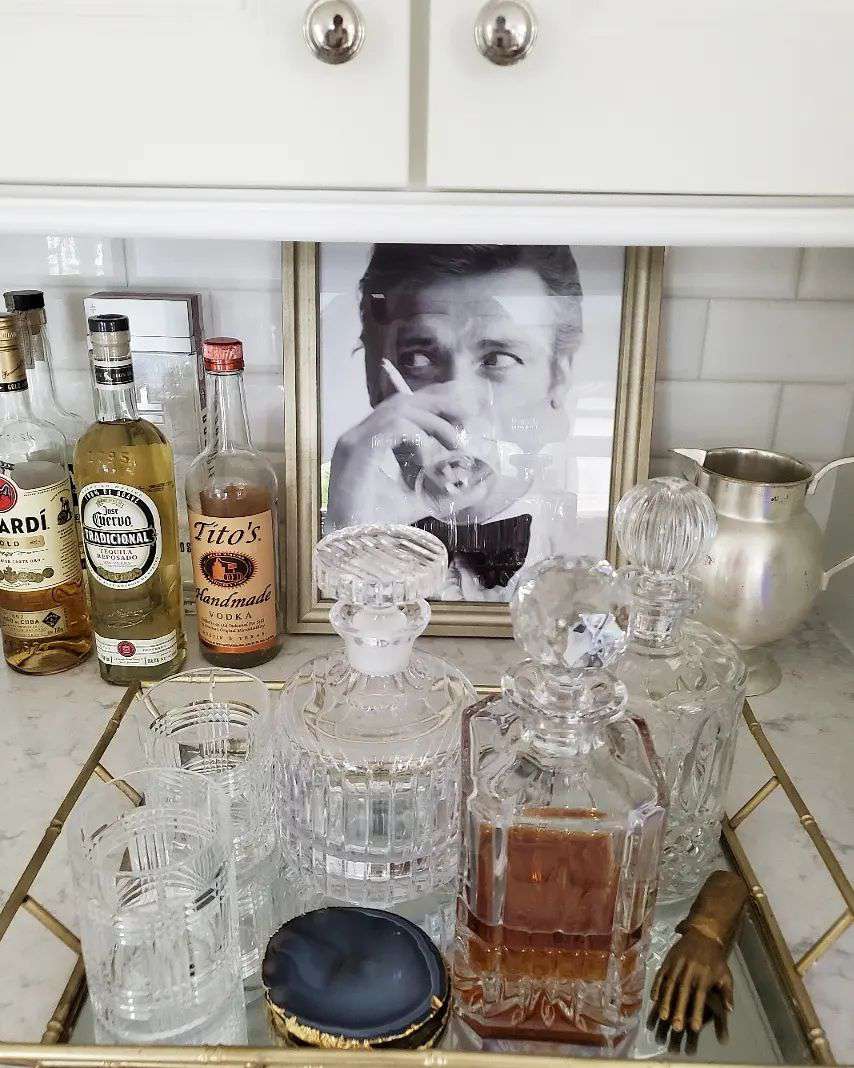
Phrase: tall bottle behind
{"type": "Point", "coordinates": [232, 505]}
{"type": "Point", "coordinates": [686, 680]}
{"type": "Point", "coordinates": [128, 512]}
{"type": "Point", "coordinates": [45, 403]}
{"type": "Point", "coordinates": [43, 397]}
{"type": "Point", "coordinates": [43, 613]}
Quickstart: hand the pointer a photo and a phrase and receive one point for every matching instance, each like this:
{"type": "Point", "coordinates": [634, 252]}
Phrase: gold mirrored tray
{"type": "Point", "coordinates": [773, 1022]}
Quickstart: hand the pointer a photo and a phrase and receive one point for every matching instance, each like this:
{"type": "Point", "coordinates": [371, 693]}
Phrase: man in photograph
{"type": "Point", "coordinates": [468, 355]}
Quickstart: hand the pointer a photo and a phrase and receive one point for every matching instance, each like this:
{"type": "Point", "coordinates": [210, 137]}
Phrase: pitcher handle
{"type": "Point", "coordinates": [814, 481]}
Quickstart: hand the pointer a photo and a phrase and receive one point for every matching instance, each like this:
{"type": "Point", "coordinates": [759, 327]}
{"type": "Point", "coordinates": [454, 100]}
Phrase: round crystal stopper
{"type": "Point", "coordinates": [664, 524]}
{"type": "Point", "coordinates": [565, 613]}
{"type": "Point", "coordinates": [379, 564]}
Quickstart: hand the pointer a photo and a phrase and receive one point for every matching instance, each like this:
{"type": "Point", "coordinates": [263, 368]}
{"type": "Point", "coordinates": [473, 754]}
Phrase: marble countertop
{"type": "Point", "coordinates": [51, 725]}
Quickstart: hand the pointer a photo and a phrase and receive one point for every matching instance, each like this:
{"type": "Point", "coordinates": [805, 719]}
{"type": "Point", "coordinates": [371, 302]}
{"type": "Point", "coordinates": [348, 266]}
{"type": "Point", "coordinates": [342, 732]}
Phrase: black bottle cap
{"type": "Point", "coordinates": [108, 324]}
{"type": "Point", "coordinates": [356, 977]}
{"type": "Point", "coordinates": [24, 300]}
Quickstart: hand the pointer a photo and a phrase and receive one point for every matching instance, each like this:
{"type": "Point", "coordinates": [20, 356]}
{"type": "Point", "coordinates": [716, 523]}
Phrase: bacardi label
{"type": "Point", "coordinates": [234, 571]}
{"type": "Point", "coordinates": [122, 534]}
{"type": "Point", "coordinates": [38, 536]}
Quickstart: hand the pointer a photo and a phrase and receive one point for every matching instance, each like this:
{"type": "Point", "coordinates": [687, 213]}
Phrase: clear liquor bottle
{"type": "Point", "coordinates": [43, 612]}
{"type": "Point", "coordinates": [370, 737]}
{"type": "Point", "coordinates": [685, 679]}
{"type": "Point", "coordinates": [232, 504]}
{"type": "Point", "coordinates": [562, 831]}
{"type": "Point", "coordinates": [43, 396]}
{"type": "Point", "coordinates": [128, 512]}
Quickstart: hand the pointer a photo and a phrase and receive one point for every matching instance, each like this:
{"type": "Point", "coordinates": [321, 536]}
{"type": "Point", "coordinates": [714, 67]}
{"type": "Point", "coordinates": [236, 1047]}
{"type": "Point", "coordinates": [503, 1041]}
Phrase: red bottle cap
{"type": "Point", "coordinates": [223, 354]}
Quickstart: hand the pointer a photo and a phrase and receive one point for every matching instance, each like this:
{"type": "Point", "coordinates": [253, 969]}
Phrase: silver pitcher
{"type": "Point", "coordinates": [763, 571]}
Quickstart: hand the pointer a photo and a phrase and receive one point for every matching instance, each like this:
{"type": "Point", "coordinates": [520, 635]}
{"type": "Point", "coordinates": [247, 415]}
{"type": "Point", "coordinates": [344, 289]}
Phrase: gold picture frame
{"type": "Point", "coordinates": [306, 612]}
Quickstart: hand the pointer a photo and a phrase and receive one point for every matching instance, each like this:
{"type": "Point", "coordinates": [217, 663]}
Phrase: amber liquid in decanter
{"type": "Point", "coordinates": [555, 927]}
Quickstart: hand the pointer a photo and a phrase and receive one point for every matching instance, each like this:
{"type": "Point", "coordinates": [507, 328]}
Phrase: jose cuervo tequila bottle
{"type": "Point", "coordinates": [43, 612]}
{"type": "Point", "coordinates": [685, 679]}
{"type": "Point", "coordinates": [128, 511]}
{"type": "Point", "coordinates": [562, 830]}
{"type": "Point", "coordinates": [370, 744]}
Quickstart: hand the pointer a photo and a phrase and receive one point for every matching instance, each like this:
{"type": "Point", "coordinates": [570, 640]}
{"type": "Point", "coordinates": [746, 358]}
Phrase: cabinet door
{"type": "Point", "coordinates": [677, 96]}
{"type": "Point", "coordinates": [199, 92]}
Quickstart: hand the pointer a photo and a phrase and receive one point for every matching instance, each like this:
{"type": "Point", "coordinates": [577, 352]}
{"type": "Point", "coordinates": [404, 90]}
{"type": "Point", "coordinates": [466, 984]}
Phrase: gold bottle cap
{"type": "Point", "coordinates": [13, 375]}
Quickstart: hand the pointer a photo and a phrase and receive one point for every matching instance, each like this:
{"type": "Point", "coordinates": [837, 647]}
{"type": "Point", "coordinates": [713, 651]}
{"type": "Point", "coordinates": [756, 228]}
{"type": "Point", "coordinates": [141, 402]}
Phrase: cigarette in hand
{"type": "Point", "coordinates": [395, 377]}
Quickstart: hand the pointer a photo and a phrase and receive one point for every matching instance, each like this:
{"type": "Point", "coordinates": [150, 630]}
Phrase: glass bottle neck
{"type": "Point", "coordinates": [15, 404]}
{"type": "Point", "coordinates": [40, 368]}
{"type": "Point", "coordinates": [378, 640]}
{"type": "Point", "coordinates": [228, 424]}
{"type": "Point", "coordinates": [657, 614]}
{"type": "Point", "coordinates": [116, 404]}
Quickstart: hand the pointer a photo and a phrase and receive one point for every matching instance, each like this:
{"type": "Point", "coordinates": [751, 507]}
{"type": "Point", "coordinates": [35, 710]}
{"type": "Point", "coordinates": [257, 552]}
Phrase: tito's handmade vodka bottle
{"type": "Point", "coordinates": [232, 505]}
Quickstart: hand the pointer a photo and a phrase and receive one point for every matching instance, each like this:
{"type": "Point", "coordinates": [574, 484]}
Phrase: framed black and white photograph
{"type": "Point", "coordinates": [498, 396]}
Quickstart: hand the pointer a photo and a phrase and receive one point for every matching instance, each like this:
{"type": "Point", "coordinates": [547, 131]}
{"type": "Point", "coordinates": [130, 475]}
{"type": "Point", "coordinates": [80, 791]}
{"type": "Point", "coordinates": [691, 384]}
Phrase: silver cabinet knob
{"type": "Point", "coordinates": [334, 30]}
{"type": "Point", "coordinates": [505, 31]}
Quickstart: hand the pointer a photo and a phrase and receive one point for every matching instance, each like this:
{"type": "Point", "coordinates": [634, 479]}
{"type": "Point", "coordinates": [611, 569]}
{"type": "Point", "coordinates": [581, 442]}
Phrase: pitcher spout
{"type": "Point", "coordinates": [697, 458]}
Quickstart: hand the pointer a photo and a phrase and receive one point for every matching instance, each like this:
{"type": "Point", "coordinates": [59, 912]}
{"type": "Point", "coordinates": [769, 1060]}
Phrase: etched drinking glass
{"type": "Point", "coordinates": [218, 723]}
{"type": "Point", "coordinates": [151, 860]}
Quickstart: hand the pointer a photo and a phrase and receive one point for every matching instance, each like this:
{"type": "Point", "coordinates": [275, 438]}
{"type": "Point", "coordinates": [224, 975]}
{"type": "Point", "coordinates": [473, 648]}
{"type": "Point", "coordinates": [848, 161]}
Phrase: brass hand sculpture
{"type": "Point", "coordinates": [695, 969]}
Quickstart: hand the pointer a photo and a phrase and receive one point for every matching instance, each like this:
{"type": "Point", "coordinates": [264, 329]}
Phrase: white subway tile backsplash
{"type": "Point", "coordinates": [265, 398]}
{"type": "Point", "coordinates": [813, 420]}
{"type": "Point", "coordinates": [253, 317]}
{"type": "Point", "coordinates": [74, 390]}
{"type": "Point", "coordinates": [702, 415]}
{"type": "Point", "coordinates": [35, 261]}
{"type": "Point", "coordinates": [827, 274]}
{"type": "Point", "coordinates": [66, 321]}
{"type": "Point", "coordinates": [156, 262]}
{"type": "Point", "coordinates": [680, 349]}
{"type": "Point", "coordinates": [731, 272]}
{"type": "Point", "coordinates": [789, 341]}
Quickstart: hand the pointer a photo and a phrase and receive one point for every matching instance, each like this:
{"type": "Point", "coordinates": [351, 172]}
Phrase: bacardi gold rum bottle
{"type": "Point", "coordinates": [128, 511]}
{"type": "Point", "coordinates": [232, 502]}
{"type": "Point", "coordinates": [43, 612]}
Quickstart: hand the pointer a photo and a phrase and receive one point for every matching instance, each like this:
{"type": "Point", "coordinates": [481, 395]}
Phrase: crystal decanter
{"type": "Point", "coordinates": [562, 831]}
{"type": "Point", "coordinates": [370, 737]}
{"type": "Point", "coordinates": [686, 680]}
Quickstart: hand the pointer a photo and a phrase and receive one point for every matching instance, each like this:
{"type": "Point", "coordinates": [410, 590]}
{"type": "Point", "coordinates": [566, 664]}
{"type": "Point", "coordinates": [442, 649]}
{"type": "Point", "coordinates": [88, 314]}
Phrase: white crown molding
{"type": "Point", "coordinates": [330, 215]}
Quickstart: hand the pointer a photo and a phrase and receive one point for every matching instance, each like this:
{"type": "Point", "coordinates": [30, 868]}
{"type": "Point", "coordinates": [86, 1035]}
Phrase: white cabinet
{"type": "Point", "coordinates": [199, 93]}
{"type": "Point", "coordinates": [675, 96]}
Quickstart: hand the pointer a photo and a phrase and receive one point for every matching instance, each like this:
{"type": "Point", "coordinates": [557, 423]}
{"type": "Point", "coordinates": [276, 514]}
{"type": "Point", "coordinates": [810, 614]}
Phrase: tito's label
{"type": "Point", "coordinates": [235, 575]}
{"type": "Point", "coordinates": [122, 535]}
{"type": "Point", "coordinates": [38, 537]}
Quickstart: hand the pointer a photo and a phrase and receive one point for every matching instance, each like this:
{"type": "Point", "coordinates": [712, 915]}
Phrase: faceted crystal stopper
{"type": "Point", "coordinates": [379, 564]}
{"type": "Point", "coordinates": [564, 613]}
{"type": "Point", "coordinates": [664, 524]}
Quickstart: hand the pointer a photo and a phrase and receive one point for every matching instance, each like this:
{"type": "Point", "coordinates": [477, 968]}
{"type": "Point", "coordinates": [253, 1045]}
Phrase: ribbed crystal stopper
{"type": "Point", "coordinates": [565, 613]}
{"type": "Point", "coordinates": [379, 564]}
{"type": "Point", "coordinates": [664, 524]}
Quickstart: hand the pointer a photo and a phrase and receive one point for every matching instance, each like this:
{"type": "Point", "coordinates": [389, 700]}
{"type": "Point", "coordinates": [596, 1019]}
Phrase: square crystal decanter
{"type": "Point", "coordinates": [370, 737]}
{"type": "Point", "coordinates": [686, 680]}
{"type": "Point", "coordinates": [562, 831]}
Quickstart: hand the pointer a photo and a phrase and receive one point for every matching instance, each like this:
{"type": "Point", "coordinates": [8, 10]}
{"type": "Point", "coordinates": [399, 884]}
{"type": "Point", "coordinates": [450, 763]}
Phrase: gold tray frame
{"type": "Point", "coordinates": [61, 1023]}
